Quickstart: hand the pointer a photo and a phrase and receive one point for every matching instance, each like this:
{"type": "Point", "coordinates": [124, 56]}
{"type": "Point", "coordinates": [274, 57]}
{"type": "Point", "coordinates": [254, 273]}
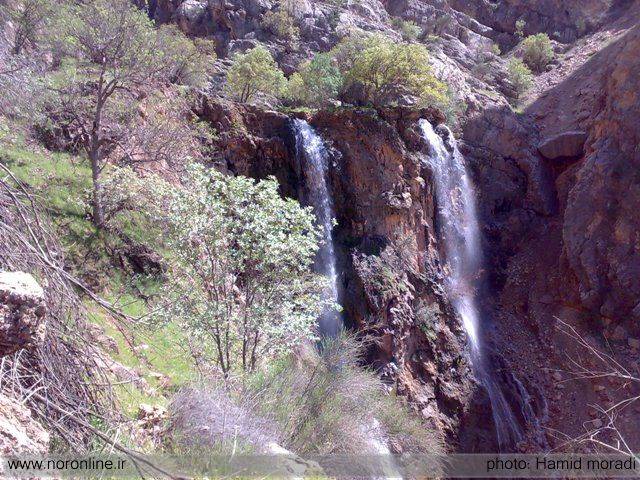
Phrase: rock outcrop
{"type": "Point", "coordinates": [387, 252]}
{"type": "Point", "coordinates": [22, 325]}
{"type": "Point", "coordinates": [22, 312]}
{"type": "Point", "coordinates": [557, 193]}
{"type": "Point", "coordinates": [602, 228]}
{"type": "Point", "coordinates": [563, 145]}
{"type": "Point", "coordinates": [20, 433]}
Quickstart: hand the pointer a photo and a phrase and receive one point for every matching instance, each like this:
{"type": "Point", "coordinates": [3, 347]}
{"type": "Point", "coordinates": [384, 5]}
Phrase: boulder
{"type": "Point", "coordinates": [20, 433]}
{"type": "Point", "coordinates": [191, 17]}
{"type": "Point", "coordinates": [22, 312]}
{"type": "Point", "coordinates": [564, 145]}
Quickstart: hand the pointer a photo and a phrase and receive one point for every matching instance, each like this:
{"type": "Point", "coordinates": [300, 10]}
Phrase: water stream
{"type": "Point", "coordinates": [314, 157]}
{"type": "Point", "coordinates": [460, 234]}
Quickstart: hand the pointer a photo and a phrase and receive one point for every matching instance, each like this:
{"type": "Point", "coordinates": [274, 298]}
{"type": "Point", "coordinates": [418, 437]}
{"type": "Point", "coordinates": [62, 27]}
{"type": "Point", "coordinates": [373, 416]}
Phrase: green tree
{"type": "Point", "coordinates": [282, 24]}
{"type": "Point", "coordinates": [190, 61]}
{"type": "Point", "coordinates": [110, 52]}
{"type": "Point", "coordinates": [255, 72]}
{"type": "Point", "coordinates": [520, 76]}
{"type": "Point", "coordinates": [378, 64]}
{"type": "Point", "coordinates": [240, 259]}
{"type": "Point", "coordinates": [317, 82]}
{"type": "Point", "coordinates": [537, 51]}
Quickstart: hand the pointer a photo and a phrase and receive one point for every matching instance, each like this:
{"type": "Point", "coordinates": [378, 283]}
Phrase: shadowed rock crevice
{"type": "Point", "coordinates": [557, 191]}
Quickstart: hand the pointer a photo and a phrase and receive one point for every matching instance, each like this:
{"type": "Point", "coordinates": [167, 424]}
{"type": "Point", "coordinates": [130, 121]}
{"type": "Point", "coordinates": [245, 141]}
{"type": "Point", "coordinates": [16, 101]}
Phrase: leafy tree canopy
{"type": "Point", "coordinates": [240, 262]}
{"type": "Point", "coordinates": [380, 64]}
{"type": "Point", "coordinates": [317, 81]}
{"type": "Point", "coordinates": [255, 72]}
{"type": "Point", "coordinates": [108, 50]}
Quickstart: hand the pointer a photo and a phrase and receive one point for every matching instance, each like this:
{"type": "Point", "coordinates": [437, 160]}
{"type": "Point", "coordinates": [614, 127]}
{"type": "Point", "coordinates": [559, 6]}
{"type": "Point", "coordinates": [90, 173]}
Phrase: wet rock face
{"type": "Point", "coordinates": [22, 312]}
{"type": "Point", "coordinates": [389, 259]}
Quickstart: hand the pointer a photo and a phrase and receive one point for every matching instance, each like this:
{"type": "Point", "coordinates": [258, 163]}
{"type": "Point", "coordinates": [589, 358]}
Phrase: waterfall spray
{"type": "Point", "coordinates": [460, 233]}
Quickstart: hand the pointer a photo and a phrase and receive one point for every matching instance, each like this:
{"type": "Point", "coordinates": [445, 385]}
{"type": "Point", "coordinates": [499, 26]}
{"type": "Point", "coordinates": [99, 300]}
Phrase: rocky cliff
{"type": "Point", "coordinates": [558, 192]}
{"type": "Point", "coordinates": [390, 269]}
{"type": "Point", "coordinates": [556, 186]}
{"type": "Point", "coordinates": [22, 324]}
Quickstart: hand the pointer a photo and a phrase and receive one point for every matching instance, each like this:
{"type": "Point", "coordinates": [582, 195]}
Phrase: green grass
{"type": "Point", "coordinates": [60, 182]}
{"type": "Point", "coordinates": [166, 354]}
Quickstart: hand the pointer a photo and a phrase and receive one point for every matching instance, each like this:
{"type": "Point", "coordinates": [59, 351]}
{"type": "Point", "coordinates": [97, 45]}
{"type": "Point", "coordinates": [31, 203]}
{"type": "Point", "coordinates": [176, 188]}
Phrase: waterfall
{"type": "Point", "coordinates": [314, 157]}
{"type": "Point", "coordinates": [460, 233]}
{"type": "Point", "coordinates": [313, 154]}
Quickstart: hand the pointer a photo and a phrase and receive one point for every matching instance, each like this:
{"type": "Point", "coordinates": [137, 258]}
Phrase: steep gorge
{"type": "Point", "coordinates": [390, 267]}
{"type": "Point", "coordinates": [467, 321]}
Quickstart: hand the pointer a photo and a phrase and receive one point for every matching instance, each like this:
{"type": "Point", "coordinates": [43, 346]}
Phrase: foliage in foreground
{"type": "Point", "coordinates": [240, 257]}
{"type": "Point", "coordinates": [324, 402]}
{"type": "Point", "coordinates": [317, 401]}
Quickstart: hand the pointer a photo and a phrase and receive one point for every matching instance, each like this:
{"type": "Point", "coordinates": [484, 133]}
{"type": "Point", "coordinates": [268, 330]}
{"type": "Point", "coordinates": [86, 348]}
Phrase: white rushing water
{"type": "Point", "coordinates": [313, 154]}
{"type": "Point", "coordinates": [460, 232]}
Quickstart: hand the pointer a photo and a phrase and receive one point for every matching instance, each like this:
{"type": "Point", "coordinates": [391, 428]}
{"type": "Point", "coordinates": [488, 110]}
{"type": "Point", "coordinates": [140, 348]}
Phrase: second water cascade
{"type": "Point", "coordinates": [460, 233]}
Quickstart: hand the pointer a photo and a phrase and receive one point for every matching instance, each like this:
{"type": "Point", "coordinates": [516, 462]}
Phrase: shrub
{"type": "Point", "coordinates": [520, 76]}
{"type": "Point", "coordinates": [189, 61]}
{"type": "Point", "coordinates": [537, 51]}
{"type": "Point", "coordinates": [240, 256]}
{"type": "Point", "coordinates": [408, 29]}
{"type": "Point", "coordinates": [253, 73]}
{"type": "Point", "coordinates": [520, 26]}
{"type": "Point", "coordinates": [378, 64]}
{"type": "Point", "coordinates": [326, 403]}
{"type": "Point", "coordinates": [206, 418]}
{"type": "Point", "coordinates": [282, 24]}
{"type": "Point", "coordinates": [317, 82]}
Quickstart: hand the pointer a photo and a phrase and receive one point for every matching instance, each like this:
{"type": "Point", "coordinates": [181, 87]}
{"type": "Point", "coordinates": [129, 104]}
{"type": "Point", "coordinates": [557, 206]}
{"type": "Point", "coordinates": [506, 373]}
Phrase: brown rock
{"type": "Point", "coordinates": [564, 145]}
{"type": "Point", "coordinates": [20, 433]}
{"type": "Point", "coordinates": [22, 312]}
{"type": "Point", "coordinates": [619, 333]}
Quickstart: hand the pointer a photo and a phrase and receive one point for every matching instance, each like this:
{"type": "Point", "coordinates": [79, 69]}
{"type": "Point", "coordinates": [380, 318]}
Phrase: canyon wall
{"type": "Point", "coordinates": [390, 269]}
{"type": "Point", "coordinates": [557, 191]}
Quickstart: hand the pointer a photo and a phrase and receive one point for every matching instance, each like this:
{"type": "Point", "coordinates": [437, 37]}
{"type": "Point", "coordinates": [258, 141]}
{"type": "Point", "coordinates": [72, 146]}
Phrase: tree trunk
{"type": "Point", "coordinates": [94, 158]}
{"type": "Point", "coordinates": [98, 208]}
